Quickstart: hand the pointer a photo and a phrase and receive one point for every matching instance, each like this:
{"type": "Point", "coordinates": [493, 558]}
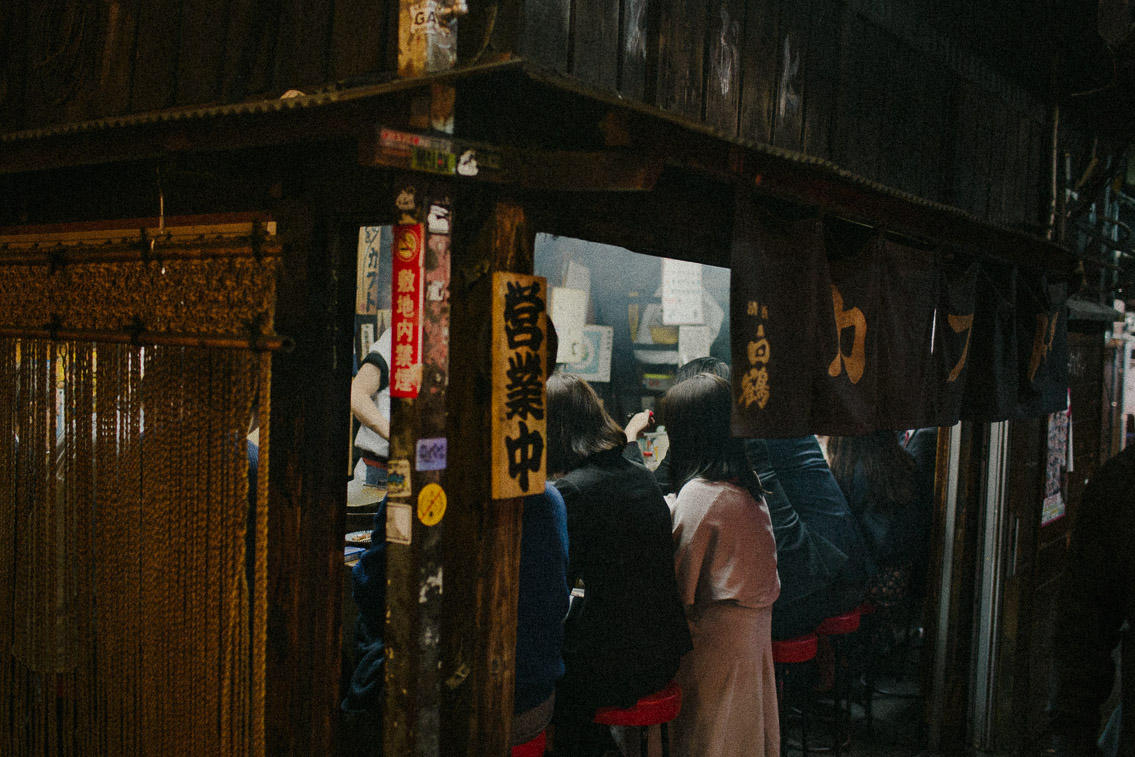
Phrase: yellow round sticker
{"type": "Point", "coordinates": [431, 504]}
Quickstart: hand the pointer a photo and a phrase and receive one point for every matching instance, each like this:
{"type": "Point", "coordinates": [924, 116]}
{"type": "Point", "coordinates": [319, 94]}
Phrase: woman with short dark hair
{"type": "Point", "coordinates": [725, 562]}
{"type": "Point", "coordinates": [625, 638]}
{"type": "Point", "coordinates": [578, 426]}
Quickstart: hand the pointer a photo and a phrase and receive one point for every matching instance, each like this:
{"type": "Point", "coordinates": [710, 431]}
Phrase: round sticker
{"type": "Point", "coordinates": [406, 245]}
{"type": "Point", "coordinates": [431, 504]}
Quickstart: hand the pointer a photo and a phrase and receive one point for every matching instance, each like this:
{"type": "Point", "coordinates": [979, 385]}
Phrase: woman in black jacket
{"type": "Point", "coordinates": [624, 639]}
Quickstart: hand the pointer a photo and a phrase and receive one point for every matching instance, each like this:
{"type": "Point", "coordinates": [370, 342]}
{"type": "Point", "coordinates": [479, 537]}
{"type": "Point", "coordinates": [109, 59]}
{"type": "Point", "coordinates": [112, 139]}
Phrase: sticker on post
{"type": "Point", "coordinates": [398, 478]}
{"type": "Point", "coordinates": [431, 454]}
{"type": "Point", "coordinates": [431, 504]}
{"type": "Point", "coordinates": [399, 523]}
{"type": "Point", "coordinates": [438, 219]}
{"type": "Point", "coordinates": [467, 163]}
{"type": "Point", "coordinates": [406, 201]}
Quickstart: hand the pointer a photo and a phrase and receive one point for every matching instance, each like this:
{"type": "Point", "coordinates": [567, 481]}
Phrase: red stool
{"type": "Point", "coordinates": [533, 748]}
{"type": "Point", "coordinates": [868, 608]}
{"type": "Point", "coordinates": [658, 709]}
{"type": "Point", "coordinates": [840, 625]}
{"type": "Point", "coordinates": [834, 629]}
{"type": "Point", "coordinates": [787, 653]}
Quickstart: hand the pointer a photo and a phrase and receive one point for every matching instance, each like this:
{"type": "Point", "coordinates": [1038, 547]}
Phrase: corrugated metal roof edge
{"type": "Point", "coordinates": [562, 81]}
{"type": "Point", "coordinates": [255, 107]}
{"type": "Point", "coordinates": [1080, 309]}
{"type": "Point", "coordinates": [539, 74]}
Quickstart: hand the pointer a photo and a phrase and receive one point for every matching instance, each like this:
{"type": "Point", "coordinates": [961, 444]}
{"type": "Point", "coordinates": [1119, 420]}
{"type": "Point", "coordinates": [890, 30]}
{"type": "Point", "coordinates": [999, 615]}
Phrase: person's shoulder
{"type": "Point", "coordinates": [552, 493]}
{"type": "Point", "coordinates": [381, 346]}
{"type": "Point", "coordinates": [549, 497]}
{"type": "Point", "coordinates": [1118, 472]}
{"type": "Point", "coordinates": [1111, 488]}
{"type": "Point", "coordinates": [569, 484]}
{"type": "Point", "coordinates": [715, 491]}
{"type": "Point", "coordinates": [734, 495]}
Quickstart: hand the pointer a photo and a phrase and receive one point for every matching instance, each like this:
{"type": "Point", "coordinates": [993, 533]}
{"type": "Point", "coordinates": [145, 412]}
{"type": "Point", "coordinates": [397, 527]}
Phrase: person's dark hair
{"type": "Point", "coordinates": [552, 343]}
{"type": "Point", "coordinates": [889, 468]}
{"type": "Point", "coordinates": [702, 365]}
{"type": "Point", "coordinates": [696, 412]}
{"type": "Point", "coordinates": [578, 426]}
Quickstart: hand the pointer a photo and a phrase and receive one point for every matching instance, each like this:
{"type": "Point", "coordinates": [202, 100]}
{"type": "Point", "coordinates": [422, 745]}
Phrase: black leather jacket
{"type": "Point", "coordinates": [1096, 601]}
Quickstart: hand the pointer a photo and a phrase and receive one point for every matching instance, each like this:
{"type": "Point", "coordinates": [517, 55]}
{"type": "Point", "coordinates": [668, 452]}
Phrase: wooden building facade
{"type": "Point", "coordinates": [632, 123]}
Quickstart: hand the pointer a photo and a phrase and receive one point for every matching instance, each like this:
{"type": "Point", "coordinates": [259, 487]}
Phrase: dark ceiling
{"type": "Point", "coordinates": [1078, 53]}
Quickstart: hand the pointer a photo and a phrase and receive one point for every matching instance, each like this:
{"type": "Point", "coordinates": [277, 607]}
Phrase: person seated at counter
{"type": "Point", "coordinates": [878, 478]}
{"type": "Point", "coordinates": [808, 483]}
{"type": "Point", "coordinates": [817, 579]}
{"type": "Point", "coordinates": [543, 600]}
{"type": "Point", "coordinates": [544, 597]}
{"type": "Point", "coordinates": [370, 404]}
{"type": "Point", "coordinates": [625, 638]}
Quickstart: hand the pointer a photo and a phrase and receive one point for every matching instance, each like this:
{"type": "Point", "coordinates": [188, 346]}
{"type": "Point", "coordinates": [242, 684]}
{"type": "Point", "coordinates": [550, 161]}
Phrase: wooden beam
{"type": "Point", "coordinates": [346, 114]}
{"type": "Point", "coordinates": [567, 170]}
{"type": "Point", "coordinates": [483, 536]}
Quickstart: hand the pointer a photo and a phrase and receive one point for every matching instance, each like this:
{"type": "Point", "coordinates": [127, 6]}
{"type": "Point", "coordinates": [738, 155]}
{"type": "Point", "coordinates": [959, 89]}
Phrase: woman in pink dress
{"type": "Point", "coordinates": [725, 560]}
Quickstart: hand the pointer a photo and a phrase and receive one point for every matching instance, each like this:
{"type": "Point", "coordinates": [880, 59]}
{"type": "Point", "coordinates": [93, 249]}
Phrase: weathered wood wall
{"type": "Point", "coordinates": [72, 60]}
{"type": "Point", "coordinates": [863, 84]}
{"type": "Point", "coordinates": [873, 85]}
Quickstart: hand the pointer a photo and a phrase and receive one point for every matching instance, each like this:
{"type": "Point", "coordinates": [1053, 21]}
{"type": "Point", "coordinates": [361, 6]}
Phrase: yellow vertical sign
{"type": "Point", "coordinates": [519, 399]}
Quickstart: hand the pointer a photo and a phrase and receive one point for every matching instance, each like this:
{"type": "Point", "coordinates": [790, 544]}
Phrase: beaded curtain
{"type": "Point", "coordinates": [132, 558]}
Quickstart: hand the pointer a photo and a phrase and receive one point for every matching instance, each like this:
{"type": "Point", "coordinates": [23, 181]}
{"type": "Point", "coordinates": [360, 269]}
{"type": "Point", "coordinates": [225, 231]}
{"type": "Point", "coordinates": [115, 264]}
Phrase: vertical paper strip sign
{"type": "Point", "coordinates": [519, 398]}
{"type": "Point", "coordinates": [366, 282]}
{"type": "Point", "coordinates": [406, 310]}
{"type": "Point", "coordinates": [780, 320]}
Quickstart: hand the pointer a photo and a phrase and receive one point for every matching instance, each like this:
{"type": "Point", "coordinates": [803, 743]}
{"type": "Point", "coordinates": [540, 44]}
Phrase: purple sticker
{"type": "Point", "coordinates": [431, 454]}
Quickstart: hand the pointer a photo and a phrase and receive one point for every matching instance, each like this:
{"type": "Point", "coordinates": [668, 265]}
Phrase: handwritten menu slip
{"type": "Point", "coordinates": [681, 293]}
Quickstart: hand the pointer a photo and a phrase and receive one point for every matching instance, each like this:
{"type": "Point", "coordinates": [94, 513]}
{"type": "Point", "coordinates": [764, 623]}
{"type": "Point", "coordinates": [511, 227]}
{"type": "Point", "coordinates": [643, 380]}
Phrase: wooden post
{"type": "Point", "coordinates": [310, 421]}
{"type": "Point", "coordinates": [482, 545]}
{"type": "Point", "coordinates": [418, 504]}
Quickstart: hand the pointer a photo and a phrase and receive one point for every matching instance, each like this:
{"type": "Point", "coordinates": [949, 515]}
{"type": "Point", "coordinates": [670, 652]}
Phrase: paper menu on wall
{"type": "Point", "coordinates": [693, 342]}
{"type": "Point", "coordinates": [577, 276]}
{"type": "Point", "coordinates": [681, 293]}
{"type": "Point", "coordinates": [714, 315]}
{"type": "Point", "coordinates": [568, 310]}
{"type": "Point", "coordinates": [595, 363]}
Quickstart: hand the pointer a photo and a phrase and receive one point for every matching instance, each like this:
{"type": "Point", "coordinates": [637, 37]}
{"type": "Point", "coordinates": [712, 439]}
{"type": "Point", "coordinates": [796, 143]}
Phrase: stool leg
{"type": "Point", "coordinates": [843, 695]}
{"type": "Point", "coordinates": [804, 724]}
{"type": "Point", "coordinates": [783, 672]}
{"type": "Point", "coordinates": [665, 740]}
{"type": "Point", "coordinates": [643, 748]}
